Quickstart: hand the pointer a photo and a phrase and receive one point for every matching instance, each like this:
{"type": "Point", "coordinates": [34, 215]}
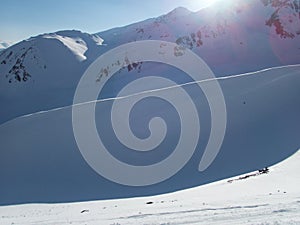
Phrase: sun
{"type": "Point", "coordinates": [196, 5]}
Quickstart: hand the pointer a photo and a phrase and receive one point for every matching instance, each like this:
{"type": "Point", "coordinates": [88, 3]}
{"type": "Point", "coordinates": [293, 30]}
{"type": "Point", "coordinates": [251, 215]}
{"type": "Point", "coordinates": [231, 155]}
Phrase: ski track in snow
{"type": "Point", "coordinates": [155, 90]}
{"type": "Point", "coordinates": [267, 199]}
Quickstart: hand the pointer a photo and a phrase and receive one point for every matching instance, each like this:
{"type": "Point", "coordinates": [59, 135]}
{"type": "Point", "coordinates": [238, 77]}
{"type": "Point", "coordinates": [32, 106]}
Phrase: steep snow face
{"type": "Point", "coordinates": [74, 42]}
{"type": "Point", "coordinates": [76, 45]}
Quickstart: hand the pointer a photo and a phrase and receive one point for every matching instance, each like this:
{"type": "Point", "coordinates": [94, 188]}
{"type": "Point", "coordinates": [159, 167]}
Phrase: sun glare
{"type": "Point", "coordinates": [199, 4]}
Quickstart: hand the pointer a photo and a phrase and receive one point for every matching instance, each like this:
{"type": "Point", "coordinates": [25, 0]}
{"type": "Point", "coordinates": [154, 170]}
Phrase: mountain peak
{"type": "Point", "coordinates": [179, 11]}
{"type": "Point", "coordinates": [5, 44]}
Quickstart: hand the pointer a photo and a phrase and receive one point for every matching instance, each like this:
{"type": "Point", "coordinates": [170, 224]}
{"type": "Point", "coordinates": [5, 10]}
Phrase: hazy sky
{"type": "Point", "coordinates": [21, 19]}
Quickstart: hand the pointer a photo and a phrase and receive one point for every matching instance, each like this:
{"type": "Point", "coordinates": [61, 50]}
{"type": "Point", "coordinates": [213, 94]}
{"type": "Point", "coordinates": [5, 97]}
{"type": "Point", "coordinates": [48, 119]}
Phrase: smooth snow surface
{"type": "Point", "coordinates": [263, 129]}
{"type": "Point", "coordinates": [266, 199]}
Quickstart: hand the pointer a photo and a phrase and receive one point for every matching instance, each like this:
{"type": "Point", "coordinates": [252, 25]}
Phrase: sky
{"type": "Point", "coordinates": [21, 19]}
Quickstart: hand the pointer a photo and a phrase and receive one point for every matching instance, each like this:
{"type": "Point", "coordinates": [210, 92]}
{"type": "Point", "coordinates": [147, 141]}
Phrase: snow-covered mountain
{"type": "Point", "coordinates": [44, 68]}
{"type": "Point", "coordinates": [232, 38]}
{"type": "Point", "coordinates": [239, 41]}
{"type": "Point", "coordinates": [4, 44]}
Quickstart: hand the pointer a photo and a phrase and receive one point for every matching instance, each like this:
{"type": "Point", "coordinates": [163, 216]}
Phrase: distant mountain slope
{"type": "Point", "coordinates": [228, 37]}
{"type": "Point", "coordinates": [4, 45]}
{"type": "Point", "coordinates": [42, 72]}
{"type": "Point", "coordinates": [232, 37]}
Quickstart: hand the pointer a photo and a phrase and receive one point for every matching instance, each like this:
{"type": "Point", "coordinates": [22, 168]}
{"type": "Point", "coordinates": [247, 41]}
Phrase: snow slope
{"type": "Point", "coordinates": [272, 198]}
{"type": "Point", "coordinates": [39, 157]}
{"type": "Point", "coordinates": [263, 128]}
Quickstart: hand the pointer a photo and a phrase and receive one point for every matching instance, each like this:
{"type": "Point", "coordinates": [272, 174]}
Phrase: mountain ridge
{"type": "Point", "coordinates": [35, 65]}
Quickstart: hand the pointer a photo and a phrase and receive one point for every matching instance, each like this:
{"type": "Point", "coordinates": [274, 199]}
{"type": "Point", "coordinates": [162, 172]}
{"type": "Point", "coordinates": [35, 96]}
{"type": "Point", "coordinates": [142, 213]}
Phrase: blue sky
{"type": "Point", "coordinates": [21, 19]}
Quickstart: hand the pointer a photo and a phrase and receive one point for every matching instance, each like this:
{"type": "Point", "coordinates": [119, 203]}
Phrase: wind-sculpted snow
{"type": "Point", "coordinates": [40, 161]}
